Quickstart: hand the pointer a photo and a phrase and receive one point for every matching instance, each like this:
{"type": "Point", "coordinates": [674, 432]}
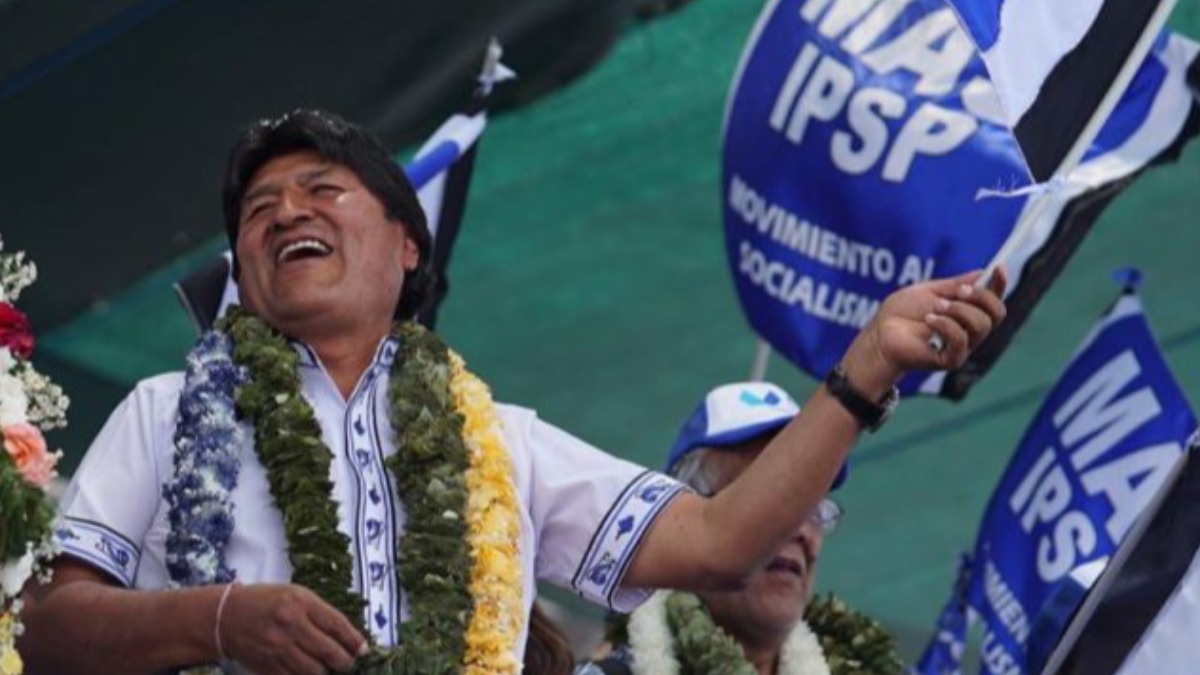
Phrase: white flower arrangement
{"type": "Point", "coordinates": [29, 404]}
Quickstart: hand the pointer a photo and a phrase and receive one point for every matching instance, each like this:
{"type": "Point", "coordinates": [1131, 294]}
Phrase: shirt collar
{"type": "Point", "coordinates": [385, 353]}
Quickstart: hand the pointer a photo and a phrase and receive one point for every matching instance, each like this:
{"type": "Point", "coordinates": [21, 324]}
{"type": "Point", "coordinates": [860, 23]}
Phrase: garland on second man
{"type": "Point", "coordinates": [674, 634]}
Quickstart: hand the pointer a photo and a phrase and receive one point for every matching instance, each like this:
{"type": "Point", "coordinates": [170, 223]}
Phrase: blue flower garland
{"type": "Point", "coordinates": [208, 439]}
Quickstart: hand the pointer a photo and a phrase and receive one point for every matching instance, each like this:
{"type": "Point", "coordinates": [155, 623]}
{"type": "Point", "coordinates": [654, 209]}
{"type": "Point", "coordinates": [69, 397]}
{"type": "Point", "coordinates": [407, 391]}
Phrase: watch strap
{"type": "Point", "coordinates": [870, 414]}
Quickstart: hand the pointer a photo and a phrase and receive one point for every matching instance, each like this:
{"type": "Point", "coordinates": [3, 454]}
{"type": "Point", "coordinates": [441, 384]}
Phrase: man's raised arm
{"type": "Point", "coordinates": [719, 542]}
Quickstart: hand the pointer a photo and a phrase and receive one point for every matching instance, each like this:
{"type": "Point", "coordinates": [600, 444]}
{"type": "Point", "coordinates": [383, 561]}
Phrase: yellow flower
{"type": "Point", "coordinates": [10, 660]}
{"type": "Point", "coordinates": [493, 529]}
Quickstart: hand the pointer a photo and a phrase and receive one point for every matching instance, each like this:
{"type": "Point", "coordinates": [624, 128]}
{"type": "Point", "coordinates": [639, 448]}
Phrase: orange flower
{"type": "Point", "coordinates": [27, 448]}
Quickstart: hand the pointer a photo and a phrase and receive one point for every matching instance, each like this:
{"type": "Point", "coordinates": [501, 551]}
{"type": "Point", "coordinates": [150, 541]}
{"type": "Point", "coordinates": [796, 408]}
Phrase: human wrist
{"type": "Point", "coordinates": [868, 370]}
{"type": "Point", "coordinates": [871, 414]}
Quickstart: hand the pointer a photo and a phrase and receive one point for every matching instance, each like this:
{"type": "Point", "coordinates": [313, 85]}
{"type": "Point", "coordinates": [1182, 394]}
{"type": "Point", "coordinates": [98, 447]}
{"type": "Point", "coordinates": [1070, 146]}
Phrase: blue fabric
{"type": "Point", "coordinates": [1052, 619]}
{"type": "Point", "coordinates": [848, 172]}
{"type": "Point", "coordinates": [943, 654]}
{"type": "Point", "coordinates": [1103, 441]}
{"type": "Point", "coordinates": [981, 19]}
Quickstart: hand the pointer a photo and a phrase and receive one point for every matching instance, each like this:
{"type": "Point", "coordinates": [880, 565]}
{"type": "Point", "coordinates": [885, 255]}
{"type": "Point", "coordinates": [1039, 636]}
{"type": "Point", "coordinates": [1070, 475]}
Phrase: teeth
{"type": "Point", "coordinates": [302, 245]}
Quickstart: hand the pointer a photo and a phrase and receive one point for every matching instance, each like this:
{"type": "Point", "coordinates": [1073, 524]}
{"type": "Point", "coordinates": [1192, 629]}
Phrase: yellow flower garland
{"type": "Point", "coordinates": [10, 660]}
{"type": "Point", "coordinates": [493, 531]}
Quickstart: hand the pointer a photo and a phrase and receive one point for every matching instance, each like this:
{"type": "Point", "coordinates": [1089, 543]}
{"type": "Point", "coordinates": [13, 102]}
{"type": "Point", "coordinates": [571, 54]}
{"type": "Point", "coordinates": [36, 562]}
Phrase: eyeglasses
{"type": "Point", "coordinates": [827, 515]}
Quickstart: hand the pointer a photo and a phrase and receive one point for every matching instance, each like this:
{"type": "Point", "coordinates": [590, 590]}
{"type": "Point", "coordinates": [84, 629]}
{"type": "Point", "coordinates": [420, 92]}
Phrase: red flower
{"type": "Point", "coordinates": [15, 332]}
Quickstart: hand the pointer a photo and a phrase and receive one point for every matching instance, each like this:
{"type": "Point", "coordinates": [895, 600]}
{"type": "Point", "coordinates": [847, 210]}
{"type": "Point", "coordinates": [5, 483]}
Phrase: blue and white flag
{"type": "Point", "coordinates": [1059, 67]}
{"type": "Point", "coordinates": [440, 171]}
{"type": "Point", "coordinates": [943, 655]}
{"type": "Point", "coordinates": [1142, 615]}
{"type": "Point", "coordinates": [857, 137]}
{"type": "Point", "coordinates": [1102, 444]}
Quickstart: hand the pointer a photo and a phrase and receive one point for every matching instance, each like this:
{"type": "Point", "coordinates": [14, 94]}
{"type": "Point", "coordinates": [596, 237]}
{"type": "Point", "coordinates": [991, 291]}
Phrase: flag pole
{"type": "Point", "coordinates": [762, 355]}
{"type": "Point", "coordinates": [1040, 198]}
{"type": "Point", "coordinates": [1072, 159]}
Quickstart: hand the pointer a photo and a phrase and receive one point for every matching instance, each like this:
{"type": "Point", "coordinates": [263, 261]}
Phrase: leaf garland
{"type": "Point", "coordinates": [700, 645]}
{"type": "Point", "coordinates": [429, 468]}
{"type": "Point", "coordinates": [854, 643]}
{"type": "Point", "coordinates": [287, 439]}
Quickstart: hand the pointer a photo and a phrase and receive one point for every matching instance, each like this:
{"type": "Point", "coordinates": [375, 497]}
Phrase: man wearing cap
{"type": "Point", "coordinates": [724, 435]}
{"type": "Point", "coordinates": [322, 476]}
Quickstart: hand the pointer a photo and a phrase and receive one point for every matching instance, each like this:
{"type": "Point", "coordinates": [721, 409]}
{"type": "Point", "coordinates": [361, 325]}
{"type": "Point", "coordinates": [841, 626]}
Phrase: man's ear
{"type": "Point", "coordinates": [410, 255]}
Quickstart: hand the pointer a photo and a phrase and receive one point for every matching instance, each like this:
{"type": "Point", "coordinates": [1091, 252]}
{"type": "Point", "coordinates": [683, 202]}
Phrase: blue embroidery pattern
{"type": "Point", "coordinates": [598, 573]}
{"type": "Point", "coordinates": [651, 493]}
{"type": "Point", "coordinates": [374, 529]}
{"type": "Point", "coordinates": [103, 547]}
{"type": "Point", "coordinates": [625, 526]}
{"type": "Point", "coordinates": [115, 552]}
{"type": "Point", "coordinates": [381, 619]}
{"type": "Point", "coordinates": [374, 508]}
{"type": "Point", "coordinates": [377, 573]}
{"type": "Point", "coordinates": [619, 534]}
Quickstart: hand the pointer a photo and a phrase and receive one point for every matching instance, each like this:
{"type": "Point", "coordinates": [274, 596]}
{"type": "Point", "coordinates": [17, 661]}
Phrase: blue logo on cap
{"type": "Point", "coordinates": [750, 399]}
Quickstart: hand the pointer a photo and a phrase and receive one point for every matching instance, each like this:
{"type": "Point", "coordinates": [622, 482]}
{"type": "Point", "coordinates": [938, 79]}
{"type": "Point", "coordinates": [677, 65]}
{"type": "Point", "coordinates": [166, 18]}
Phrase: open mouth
{"type": "Point", "coordinates": [302, 249]}
{"type": "Point", "coordinates": [781, 564]}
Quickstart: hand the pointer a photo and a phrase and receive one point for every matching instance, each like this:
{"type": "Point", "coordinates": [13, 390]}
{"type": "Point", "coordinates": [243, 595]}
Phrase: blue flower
{"type": "Point", "coordinates": [208, 440]}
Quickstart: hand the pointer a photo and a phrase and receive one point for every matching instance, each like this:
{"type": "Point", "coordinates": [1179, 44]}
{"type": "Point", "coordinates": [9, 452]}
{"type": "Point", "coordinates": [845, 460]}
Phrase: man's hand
{"type": "Point", "coordinates": [283, 629]}
{"type": "Point", "coordinates": [897, 339]}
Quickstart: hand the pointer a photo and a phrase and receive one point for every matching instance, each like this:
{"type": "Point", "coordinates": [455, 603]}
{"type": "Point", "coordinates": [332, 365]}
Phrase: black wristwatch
{"type": "Point", "coordinates": [870, 414]}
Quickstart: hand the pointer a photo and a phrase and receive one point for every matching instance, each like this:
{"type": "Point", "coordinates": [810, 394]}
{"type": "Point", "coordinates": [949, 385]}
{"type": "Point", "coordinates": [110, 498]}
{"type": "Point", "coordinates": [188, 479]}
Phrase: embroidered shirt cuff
{"type": "Point", "coordinates": [99, 546]}
{"type": "Point", "coordinates": [616, 541]}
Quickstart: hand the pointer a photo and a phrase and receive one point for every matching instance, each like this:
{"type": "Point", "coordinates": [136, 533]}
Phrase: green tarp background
{"type": "Point", "coordinates": [589, 283]}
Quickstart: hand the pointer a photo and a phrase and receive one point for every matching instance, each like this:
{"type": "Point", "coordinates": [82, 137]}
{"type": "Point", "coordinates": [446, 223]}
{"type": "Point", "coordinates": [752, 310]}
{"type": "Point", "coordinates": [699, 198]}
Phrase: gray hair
{"type": "Point", "coordinates": [692, 471]}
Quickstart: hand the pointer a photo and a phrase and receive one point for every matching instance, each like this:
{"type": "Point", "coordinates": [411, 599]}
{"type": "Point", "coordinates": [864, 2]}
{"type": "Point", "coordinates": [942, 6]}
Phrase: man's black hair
{"type": "Point", "coordinates": [342, 143]}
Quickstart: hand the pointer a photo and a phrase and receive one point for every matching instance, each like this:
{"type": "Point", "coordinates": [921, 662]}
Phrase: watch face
{"type": "Point", "coordinates": [886, 407]}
